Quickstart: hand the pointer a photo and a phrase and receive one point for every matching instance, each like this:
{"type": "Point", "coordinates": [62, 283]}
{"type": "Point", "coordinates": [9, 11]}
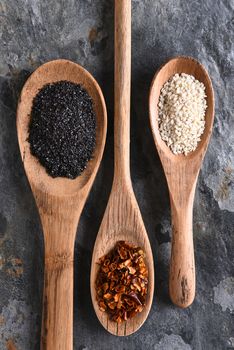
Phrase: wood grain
{"type": "Point", "coordinates": [122, 219]}
{"type": "Point", "coordinates": [181, 174]}
{"type": "Point", "coordinates": [60, 202]}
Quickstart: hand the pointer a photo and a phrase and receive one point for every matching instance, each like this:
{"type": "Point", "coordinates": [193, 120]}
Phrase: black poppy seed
{"type": "Point", "coordinates": [62, 130]}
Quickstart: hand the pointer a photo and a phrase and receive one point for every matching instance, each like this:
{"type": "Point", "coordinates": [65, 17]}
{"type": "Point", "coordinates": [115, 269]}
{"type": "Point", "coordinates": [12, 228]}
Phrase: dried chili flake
{"type": "Point", "coordinates": [122, 281]}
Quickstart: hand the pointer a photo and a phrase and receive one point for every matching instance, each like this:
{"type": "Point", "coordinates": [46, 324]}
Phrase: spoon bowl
{"type": "Point", "coordinates": [180, 65]}
{"type": "Point", "coordinates": [52, 72]}
{"type": "Point", "coordinates": [181, 173]}
{"type": "Point", "coordinates": [59, 201]}
{"type": "Point", "coordinates": [122, 222]}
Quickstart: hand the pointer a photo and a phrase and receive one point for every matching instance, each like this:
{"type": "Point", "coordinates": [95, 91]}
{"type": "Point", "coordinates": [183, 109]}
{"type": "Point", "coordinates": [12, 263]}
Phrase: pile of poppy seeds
{"type": "Point", "coordinates": [62, 131]}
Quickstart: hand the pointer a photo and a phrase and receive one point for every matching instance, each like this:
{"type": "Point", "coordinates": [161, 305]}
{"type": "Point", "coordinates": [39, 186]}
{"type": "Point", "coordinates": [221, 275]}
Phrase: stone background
{"type": "Point", "coordinates": [33, 32]}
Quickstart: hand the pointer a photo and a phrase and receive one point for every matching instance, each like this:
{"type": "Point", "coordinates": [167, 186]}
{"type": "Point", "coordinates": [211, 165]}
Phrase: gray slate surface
{"type": "Point", "coordinates": [32, 32]}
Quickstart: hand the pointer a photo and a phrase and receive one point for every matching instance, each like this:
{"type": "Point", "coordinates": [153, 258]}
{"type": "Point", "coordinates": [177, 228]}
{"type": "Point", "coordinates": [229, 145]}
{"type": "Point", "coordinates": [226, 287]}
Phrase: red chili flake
{"type": "Point", "coordinates": [105, 287]}
{"type": "Point", "coordinates": [102, 305]}
{"type": "Point", "coordinates": [131, 270]}
{"type": "Point", "coordinates": [122, 281]}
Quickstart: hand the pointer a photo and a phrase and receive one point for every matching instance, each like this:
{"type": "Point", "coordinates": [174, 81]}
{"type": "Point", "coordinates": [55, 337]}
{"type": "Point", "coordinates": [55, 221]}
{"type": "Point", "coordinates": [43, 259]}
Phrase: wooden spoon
{"type": "Point", "coordinates": [59, 201]}
{"type": "Point", "coordinates": [122, 219]}
{"type": "Point", "coordinates": [181, 174]}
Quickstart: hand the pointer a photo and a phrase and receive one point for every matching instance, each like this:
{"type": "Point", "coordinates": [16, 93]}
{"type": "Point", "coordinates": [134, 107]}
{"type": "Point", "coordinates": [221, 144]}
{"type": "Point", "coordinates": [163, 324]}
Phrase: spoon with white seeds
{"type": "Point", "coordinates": [181, 158]}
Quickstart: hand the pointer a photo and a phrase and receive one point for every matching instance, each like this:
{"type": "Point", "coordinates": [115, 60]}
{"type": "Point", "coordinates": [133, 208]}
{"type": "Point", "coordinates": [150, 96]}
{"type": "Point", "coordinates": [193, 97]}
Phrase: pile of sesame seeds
{"type": "Point", "coordinates": [182, 106]}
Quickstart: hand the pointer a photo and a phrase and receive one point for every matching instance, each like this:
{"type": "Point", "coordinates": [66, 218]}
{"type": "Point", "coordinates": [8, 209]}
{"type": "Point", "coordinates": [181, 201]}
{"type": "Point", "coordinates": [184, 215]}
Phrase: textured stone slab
{"type": "Point", "coordinates": [34, 31]}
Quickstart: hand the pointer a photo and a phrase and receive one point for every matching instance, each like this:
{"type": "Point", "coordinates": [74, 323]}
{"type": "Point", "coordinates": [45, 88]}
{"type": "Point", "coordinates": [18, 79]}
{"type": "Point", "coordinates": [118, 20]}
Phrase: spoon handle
{"type": "Point", "coordinates": [59, 235]}
{"type": "Point", "coordinates": [122, 87]}
{"type": "Point", "coordinates": [182, 269]}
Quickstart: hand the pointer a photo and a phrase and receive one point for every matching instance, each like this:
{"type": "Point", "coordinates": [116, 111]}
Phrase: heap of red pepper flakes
{"type": "Point", "coordinates": [122, 281]}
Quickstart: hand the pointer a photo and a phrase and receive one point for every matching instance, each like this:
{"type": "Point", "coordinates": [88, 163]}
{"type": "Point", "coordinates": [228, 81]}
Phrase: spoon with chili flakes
{"type": "Point", "coordinates": [122, 310]}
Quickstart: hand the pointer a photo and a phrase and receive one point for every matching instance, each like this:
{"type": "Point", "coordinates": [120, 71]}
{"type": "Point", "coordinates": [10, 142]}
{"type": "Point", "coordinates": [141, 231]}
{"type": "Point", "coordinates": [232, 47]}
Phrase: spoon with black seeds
{"type": "Point", "coordinates": [61, 125]}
